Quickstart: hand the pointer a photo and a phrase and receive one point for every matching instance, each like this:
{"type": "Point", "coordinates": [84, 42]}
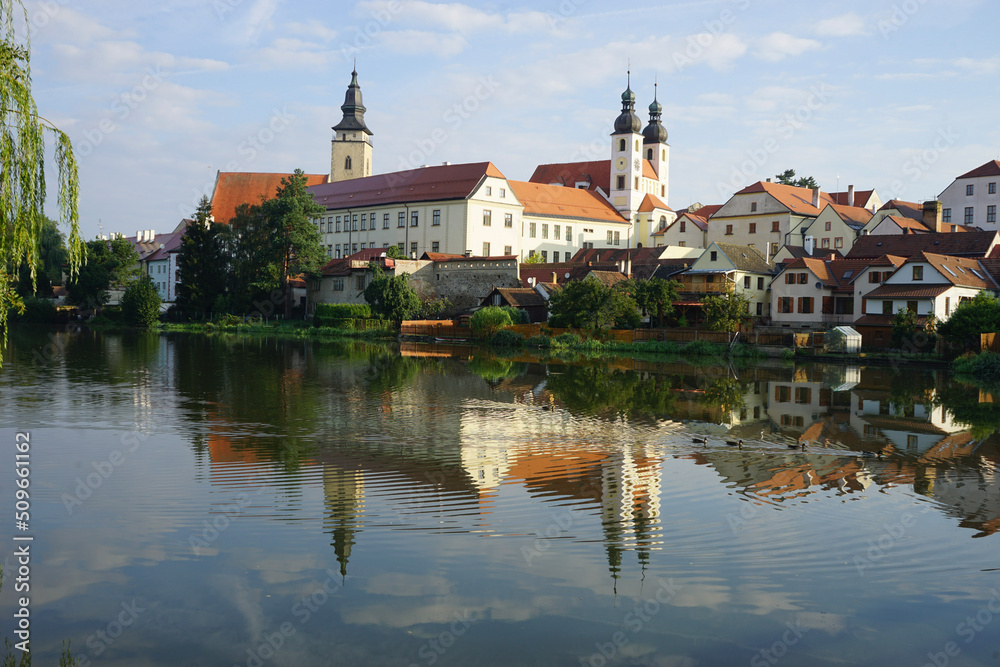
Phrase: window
{"type": "Point", "coordinates": [486, 249]}
{"type": "Point", "coordinates": [789, 278]}
{"type": "Point", "coordinates": [354, 222]}
{"type": "Point", "coordinates": [364, 221]}
{"type": "Point", "coordinates": [753, 227]}
{"type": "Point", "coordinates": [785, 304]}
{"type": "Point", "coordinates": [489, 191]}
{"type": "Point", "coordinates": [336, 251]}
{"type": "Point", "coordinates": [555, 232]}
{"type": "Point", "coordinates": [545, 257]}
{"type": "Point", "coordinates": [991, 213]}
{"type": "Point", "coordinates": [649, 153]}
{"type": "Point", "coordinates": [714, 256]}
{"type": "Point", "coordinates": [874, 277]}
{"type": "Point", "coordinates": [838, 242]}
{"type": "Point", "coordinates": [681, 244]}
{"type": "Point", "coordinates": [912, 306]}
{"type": "Point", "coordinates": [947, 306]}
{"type": "Point", "coordinates": [508, 250]}
{"type": "Point", "coordinates": [338, 223]}
{"type": "Point", "coordinates": [503, 193]}
{"type": "Point", "coordinates": [782, 394]}
{"type": "Point", "coordinates": [555, 256]}
{"type": "Point", "coordinates": [435, 246]}
{"type": "Point", "coordinates": [621, 144]}
{"type": "Point", "coordinates": [569, 234]}
{"type": "Point", "coordinates": [487, 218]}
{"type": "Point", "coordinates": [968, 215]}
{"type": "Point", "coordinates": [620, 183]}
{"type": "Point", "coordinates": [617, 237]}
{"type": "Point", "coordinates": [413, 249]}
{"type": "Point", "coordinates": [803, 278]}
{"type": "Point", "coordinates": [508, 220]}
{"type": "Point", "coordinates": [825, 243]}
{"type": "Point", "coordinates": [401, 220]}
{"type": "Point", "coordinates": [545, 230]}
{"type": "Point", "coordinates": [363, 246]}
{"type": "Point", "coordinates": [414, 218]}
{"type": "Point", "coordinates": [969, 189]}
{"type": "Point", "coordinates": [359, 282]}
{"type": "Point", "coordinates": [805, 304]}
{"type": "Point", "coordinates": [775, 226]}
{"type": "Point", "coordinates": [918, 272]}
{"type": "Point", "coordinates": [760, 308]}
{"type": "Point", "coordinates": [347, 162]}
{"type": "Point", "coordinates": [338, 284]}
{"type": "Point", "coordinates": [729, 230]}
{"type": "Point", "coordinates": [946, 215]}
{"type": "Point", "coordinates": [385, 221]}
{"type": "Point", "coordinates": [322, 227]}
{"type": "Point", "coordinates": [400, 246]}
{"type": "Point", "coordinates": [760, 283]}
{"type": "Point", "coordinates": [991, 188]}
{"type": "Point", "coordinates": [753, 207]}
{"type": "Point", "coordinates": [827, 226]}
{"type": "Point", "coordinates": [887, 307]}
{"type": "Point", "coordinates": [746, 282]}
{"type": "Point", "coordinates": [683, 226]}
{"type": "Point", "coordinates": [610, 236]}
{"type": "Point", "coordinates": [803, 395]}
{"type": "Point", "coordinates": [531, 230]}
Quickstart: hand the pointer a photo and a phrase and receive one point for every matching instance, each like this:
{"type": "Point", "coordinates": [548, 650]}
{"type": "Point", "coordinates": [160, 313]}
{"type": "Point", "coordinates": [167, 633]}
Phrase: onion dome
{"type": "Point", "coordinates": [654, 133]}
{"type": "Point", "coordinates": [627, 121]}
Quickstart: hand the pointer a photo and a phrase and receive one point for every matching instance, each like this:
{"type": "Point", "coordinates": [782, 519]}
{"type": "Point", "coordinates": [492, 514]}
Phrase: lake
{"type": "Point", "coordinates": [218, 500]}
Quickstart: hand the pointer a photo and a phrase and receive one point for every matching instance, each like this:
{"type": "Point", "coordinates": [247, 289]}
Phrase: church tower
{"type": "Point", "coordinates": [626, 158]}
{"type": "Point", "coordinates": [351, 153]}
{"type": "Point", "coordinates": [656, 149]}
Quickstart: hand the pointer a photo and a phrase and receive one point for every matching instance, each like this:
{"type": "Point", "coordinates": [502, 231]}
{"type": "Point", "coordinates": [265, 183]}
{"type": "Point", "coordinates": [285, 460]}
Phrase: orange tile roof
{"type": "Point", "coordinates": [648, 171]}
{"type": "Point", "coordinates": [960, 271]}
{"type": "Point", "coordinates": [856, 214]}
{"type": "Point", "coordinates": [557, 201]}
{"type": "Point", "coordinates": [910, 209]}
{"type": "Point", "coordinates": [908, 225]}
{"type": "Point", "coordinates": [968, 244]}
{"type": "Point", "coordinates": [597, 173]}
{"type": "Point", "coordinates": [651, 202]}
{"type": "Point", "coordinates": [991, 168]}
{"type": "Point", "coordinates": [233, 188]}
{"type": "Point", "coordinates": [437, 183]}
{"type": "Point", "coordinates": [797, 200]}
{"type": "Point", "coordinates": [859, 196]}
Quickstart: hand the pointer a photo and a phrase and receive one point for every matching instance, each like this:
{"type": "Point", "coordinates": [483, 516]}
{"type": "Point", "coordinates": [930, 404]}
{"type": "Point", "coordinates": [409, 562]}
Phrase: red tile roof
{"type": "Point", "coordinates": [542, 199]}
{"type": "Point", "coordinates": [855, 216]}
{"type": "Point", "coordinates": [597, 173]}
{"type": "Point", "coordinates": [437, 183]}
{"type": "Point", "coordinates": [859, 196]}
{"type": "Point", "coordinates": [233, 188]}
{"type": "Point", "coordinates": [522, 297]}
{"type": "Point", "coordinates": [910, 209]}
{"type": "Point", "coordinates": [960, 271]}
{"type": "Point", "coordinates": [899, 291]}
{"type": "Point", "coordinates": [991, 168]}
{"type": "Point", "coordinates": [968, 244]}
{"type": "Point", "coordinates": [796, 200]}
{"type": "Point", "coordinates": [650, 202]}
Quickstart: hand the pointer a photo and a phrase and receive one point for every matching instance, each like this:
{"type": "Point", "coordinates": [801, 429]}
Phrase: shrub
{"type": "Point", "coordinates": [39, 311]}
{"type": "Point", "coordinates": [788, 354]}
{"type": "Point", "coordinates": [228, 320]}
{"type": "Point", "coordinates": [538, 340]}
{"type": "Point", "coordinates": [141, 303]}
{"type": "Point", "coordinates": [507, 338]}
{"type": "Point", "coordinates": [700, 347]}
{"type": "Point", "coordinates": [340, 315]}
{"type": "Point", "coordinates": [567, 339]}
{"type": "Point", "coordinates": [487, 321]}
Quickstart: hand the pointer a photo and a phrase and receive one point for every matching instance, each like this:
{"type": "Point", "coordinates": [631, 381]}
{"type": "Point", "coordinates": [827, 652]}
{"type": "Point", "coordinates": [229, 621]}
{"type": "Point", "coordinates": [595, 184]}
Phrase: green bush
{"type": "Point", "coordinates": [141, 303]}
{"type": "Point", "coordinates": [507, 338]}
{"type": "Point", "coordinates": [517, 315]}
{"type": "Point", "coordinates": [37, 311]}
{"type": "Point", "coordinates": [228, 320]}
{"type": "Point", "coordinates": [487, 321]}
{"type": "Point", "coordinates": [701, 348]}
{"type": "Point", "coordinates": [567, 339]}
{"type": "Point", "coordinates": [340, 315]}
{"type": "Point", "coordinates": [538, 340]}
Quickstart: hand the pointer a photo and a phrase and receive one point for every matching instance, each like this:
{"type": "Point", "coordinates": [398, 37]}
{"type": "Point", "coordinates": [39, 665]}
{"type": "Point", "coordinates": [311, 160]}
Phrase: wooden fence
{"type": "Point", "coordinates": [989, 341]}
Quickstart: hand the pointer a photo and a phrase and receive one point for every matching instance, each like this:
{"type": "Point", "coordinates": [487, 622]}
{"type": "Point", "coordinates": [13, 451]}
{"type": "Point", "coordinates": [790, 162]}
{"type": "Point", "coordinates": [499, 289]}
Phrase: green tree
{"type": "Point", "coordinates": [141, 303]}
{"type": "Point", "coordinates": [787, 177]}
{"type": "Point", "coordinates": [533, 258]}
{"type": "Point", "coordinates": [391, 297]}
{"type": "Point", "coordinates": [654, 296]}
{"type": "Point", "coordinates": [726, 312]}
{"type": "Point", "coordinates": [590, 304]}
{"type": "Point", "coordinates": [393, 252]}
{"type": "Point", "coordinates": [296, 238]}
{"type": "Point", "coordinates": [488, 320]}
{"type": "Point", "coordinates": [22, 165]}
{"type": "Point", "coordinates": [109, 264]}
{"type": "Point", "coordinates": [51, 257]}
{"type": "Point", "coordinates": [904, 326]}
{"type": "Point", "coordinates": [253, 276]}
{"type": "Point", "coordinates": [202, 263]}
{"type": "Point", "coordinates": [970, 318]}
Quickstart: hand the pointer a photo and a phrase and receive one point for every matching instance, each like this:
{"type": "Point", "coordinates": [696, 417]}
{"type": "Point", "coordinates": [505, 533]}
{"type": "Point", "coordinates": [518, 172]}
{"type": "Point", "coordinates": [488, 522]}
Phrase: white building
{"type": "Point", "coordinates": [972, 198]}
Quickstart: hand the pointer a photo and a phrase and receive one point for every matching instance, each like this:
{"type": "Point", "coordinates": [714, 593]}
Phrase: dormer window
{"type": "Point", "coordinates": [918, 272]}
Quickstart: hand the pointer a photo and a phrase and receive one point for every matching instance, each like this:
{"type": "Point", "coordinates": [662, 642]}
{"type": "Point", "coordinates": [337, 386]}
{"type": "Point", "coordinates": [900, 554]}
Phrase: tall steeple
{"type": "Point", "coordinates": [654, 133]}
{"type": "Point", "coordinates": [351, 153]}
{"type": "Point", "coordinates": [626, 158]}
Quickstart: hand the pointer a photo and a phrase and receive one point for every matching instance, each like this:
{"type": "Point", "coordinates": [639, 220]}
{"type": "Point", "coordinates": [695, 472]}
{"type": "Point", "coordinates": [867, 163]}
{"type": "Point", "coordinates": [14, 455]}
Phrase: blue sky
{"type": "Point", "coordinates": [898, 95]}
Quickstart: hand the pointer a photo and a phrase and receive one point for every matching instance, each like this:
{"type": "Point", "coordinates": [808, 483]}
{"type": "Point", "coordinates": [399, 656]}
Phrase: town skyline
{"type": "Point", "coordinates": [888, 96]}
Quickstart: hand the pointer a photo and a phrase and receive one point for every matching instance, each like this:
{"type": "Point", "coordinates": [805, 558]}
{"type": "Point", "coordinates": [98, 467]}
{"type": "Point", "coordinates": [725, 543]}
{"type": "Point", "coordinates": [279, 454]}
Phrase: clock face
{"type": "Point", "coordinates": [621, 162]}
{"type": "Point", "coordinates": [637, 163]}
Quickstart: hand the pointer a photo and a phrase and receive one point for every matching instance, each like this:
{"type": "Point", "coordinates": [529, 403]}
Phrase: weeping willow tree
{"type": "Point", "coordinates": [22, 167]}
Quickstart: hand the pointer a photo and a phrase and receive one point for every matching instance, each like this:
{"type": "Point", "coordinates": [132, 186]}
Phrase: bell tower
{"type": "Point", "coordinates": [656, 149]}
{"type": "Point", "coordinates": [351, 152]}
{"type": "Point", "coordinates": [626, 158]}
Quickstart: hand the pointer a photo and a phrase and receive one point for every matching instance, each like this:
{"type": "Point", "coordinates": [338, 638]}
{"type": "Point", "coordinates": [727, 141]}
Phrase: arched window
{"type": "Point", "coordinates": [621, 144]}
{"type": "Point", "coordinates": [649, 153]}
{"type": "Point", "coordinates": [663, 221]}
{"type": "Point", "coordinates": [636, 145]}
{"type": "Point", "coordinates": [347, 162]}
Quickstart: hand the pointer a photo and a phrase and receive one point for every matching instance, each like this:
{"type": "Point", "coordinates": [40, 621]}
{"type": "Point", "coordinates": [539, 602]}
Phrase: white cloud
{"type": "Point", "coordinates": [413, 42]}
{"type": "Point", "coordinates": [313, 29]}
{"type": "Point", "coordinates": [777, 45]}
{"type": "Point", "coordinates": [453, 17]}
{"type": "Point", "coordinates": [845, 25]}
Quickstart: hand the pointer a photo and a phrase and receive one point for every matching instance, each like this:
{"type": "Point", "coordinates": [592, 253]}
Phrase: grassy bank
{"type": "Point", "coordinates": [284, 329]}
{"type": "Point", "coordinates": [506, 339]}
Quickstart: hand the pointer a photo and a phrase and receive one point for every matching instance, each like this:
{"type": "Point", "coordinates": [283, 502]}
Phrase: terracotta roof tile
{"type": "Point", "coordinates": [797, 200]}
{"type": "Point", "coordinates": [650, 202]}
{"type": "Point", "coordinates": [596, 173]}
{"type": "Point", "coordinates": [437, 183]}
{"type": "Point", "coordinates": [968, 244]}
{"type": "Point", "coordinates": [960, 271]}
{"type": "Point", "coordinates": [900, 291]}
{"type": "Point", "coordinates": [746, 258]}
{"type": "Point", "coordinates": [859, 196]}
{"type": "Point", "coordinates": [910, 209]}
{"type": "Point", "coordinates": [609, 278]}
{"type": "Point", "coordinates": [541, 199]}
{"type": "Point", "coordinates": [233, 188]}
{"type": "Point", "coordinates": [991, 168]}
{"type": "Point", "coordinates": [522, 297]}
{"type": "Point", "coordinates": [854, 216]}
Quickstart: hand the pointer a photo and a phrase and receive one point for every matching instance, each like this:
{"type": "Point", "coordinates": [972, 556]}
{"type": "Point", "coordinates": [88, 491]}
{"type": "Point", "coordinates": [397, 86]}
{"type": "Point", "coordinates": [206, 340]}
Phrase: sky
{"type": "Point", "coordinates": [896, 95]}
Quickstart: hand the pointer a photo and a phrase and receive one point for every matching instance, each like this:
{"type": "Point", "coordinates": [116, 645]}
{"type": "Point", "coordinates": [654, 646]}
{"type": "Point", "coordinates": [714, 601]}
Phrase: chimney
{"type": "Point", "coordinates": [932, 216]}
{"type": "Point", "coordinates": [810, 244]}
{"type": "Point", "coordinates": [815, 201]}
{"type": "Point", "coordinates": [555, 277]}
{"type": "Point", "coordinates": [831, 257]}
{"type": "Point", "coordinates": [850, 195]}
{"type": "Point", "coordinates": [138, 236]}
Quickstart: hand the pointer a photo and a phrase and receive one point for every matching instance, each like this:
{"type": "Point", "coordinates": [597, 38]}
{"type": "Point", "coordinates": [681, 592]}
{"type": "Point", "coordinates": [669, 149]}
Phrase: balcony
{"type": "Point", "coordinates": [717, 287]}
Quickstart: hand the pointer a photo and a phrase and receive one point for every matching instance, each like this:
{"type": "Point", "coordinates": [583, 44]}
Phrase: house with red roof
{"type": "Point", "coordinates": [689, 229]}
{"type": "Point", "coordinates": [836, 228]}
{"type": "Point", "coordinates": [866, 199]}
{"type": "Point", "coordinates": [972, 198]}
{"type": "Point", "coordinates": [766, 216]}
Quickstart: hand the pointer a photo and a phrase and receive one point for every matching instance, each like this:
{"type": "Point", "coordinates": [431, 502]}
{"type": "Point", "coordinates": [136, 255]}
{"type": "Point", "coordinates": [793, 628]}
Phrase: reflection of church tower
{"type": "Point", "coordinates": [351, 153]}
{"type": "Point", "coordinates": [344, 495]}
{"type": "Point", "coordinates": [631, 506]}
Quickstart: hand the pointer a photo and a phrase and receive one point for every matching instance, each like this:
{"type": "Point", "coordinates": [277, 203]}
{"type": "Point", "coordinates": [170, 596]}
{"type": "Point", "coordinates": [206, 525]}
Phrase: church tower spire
{"type": "Point", "coordinates": [626, 157]}
{"type": "Point", "coordinates": [351, 152]}
{"type": "Point", "coordinates": [655, 146]}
